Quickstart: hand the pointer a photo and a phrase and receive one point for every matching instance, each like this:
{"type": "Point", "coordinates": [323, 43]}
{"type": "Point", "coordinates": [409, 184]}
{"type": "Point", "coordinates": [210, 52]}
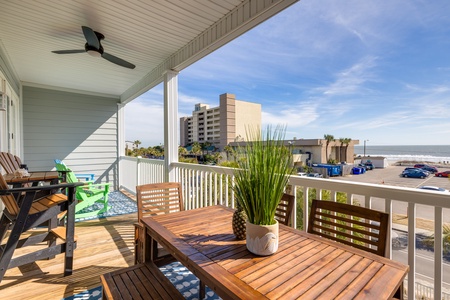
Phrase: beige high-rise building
{"type": "Point", "coordinates": [220, 125]}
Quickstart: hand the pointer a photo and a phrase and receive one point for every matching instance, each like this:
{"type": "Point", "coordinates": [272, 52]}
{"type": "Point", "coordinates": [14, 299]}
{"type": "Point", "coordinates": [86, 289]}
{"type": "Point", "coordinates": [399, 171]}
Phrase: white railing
{"type": "Point", "coordinates": [210, 185]}
{"type": "Point", "coordinates": [135, 171]}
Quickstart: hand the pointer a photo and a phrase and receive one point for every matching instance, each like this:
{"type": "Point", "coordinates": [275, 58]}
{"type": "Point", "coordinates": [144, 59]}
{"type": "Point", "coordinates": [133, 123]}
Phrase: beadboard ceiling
{"type": "Point", "coordinates": [155, 35]}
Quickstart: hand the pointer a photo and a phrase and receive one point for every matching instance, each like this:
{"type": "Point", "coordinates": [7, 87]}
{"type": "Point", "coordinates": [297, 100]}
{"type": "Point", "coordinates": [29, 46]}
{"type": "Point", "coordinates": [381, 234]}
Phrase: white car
{"type": "Point", "coordinates": [432, 188]}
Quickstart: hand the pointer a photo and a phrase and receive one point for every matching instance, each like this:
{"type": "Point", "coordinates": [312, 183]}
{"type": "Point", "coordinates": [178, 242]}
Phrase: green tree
{"type": "Point", "coordinates": [182, 151]}
{"type": "Point", "coordinates": [228, 150]}
{"type": "Point", "coordinates": [346, 143]}
{"type": "Point", "coordinates": [341, 141]}
{"type": "Point", "coordinates": [328, 138]}
{"type": "Point", "coordinates": [136, 144]}
{"type": "Point", "coordinates": [196, 148]}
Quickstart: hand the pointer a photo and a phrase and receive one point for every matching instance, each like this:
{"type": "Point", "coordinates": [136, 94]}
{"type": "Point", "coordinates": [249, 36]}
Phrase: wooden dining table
{"type": "Point", "coordinates": [305, 266]}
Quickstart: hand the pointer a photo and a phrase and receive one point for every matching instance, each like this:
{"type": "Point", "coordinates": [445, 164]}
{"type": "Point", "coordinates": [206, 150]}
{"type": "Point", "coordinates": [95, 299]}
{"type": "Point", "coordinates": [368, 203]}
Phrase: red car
{"type": "Point", "coordinates": [442, 174]}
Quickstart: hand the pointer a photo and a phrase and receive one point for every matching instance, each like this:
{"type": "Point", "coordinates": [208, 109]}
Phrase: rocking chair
{"type": "Point", "coordinates": [20, 216]}
{"type": "Point", "coordinates": [10, 162]}
{"type": "Point", "coordinates": [87, 195]}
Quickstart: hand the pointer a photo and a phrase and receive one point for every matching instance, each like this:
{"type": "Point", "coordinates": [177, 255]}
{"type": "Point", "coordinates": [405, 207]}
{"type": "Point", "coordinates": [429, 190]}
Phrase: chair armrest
{"type": "Point", "coordinates": [40, 188]}
{"type": "Point", "coordinates": [87, 176]}
{"type": "Point", "coordinates": [90, 184]}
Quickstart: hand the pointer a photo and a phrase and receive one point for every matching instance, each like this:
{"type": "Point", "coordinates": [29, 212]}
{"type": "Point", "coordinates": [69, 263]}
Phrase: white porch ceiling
{"type": "Point", "coordinates": [154, 35]}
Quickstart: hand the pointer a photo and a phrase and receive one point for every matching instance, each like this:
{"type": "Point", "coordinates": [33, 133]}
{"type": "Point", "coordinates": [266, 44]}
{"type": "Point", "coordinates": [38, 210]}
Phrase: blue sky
{"type": "Point", "coordinates": [365, 70]}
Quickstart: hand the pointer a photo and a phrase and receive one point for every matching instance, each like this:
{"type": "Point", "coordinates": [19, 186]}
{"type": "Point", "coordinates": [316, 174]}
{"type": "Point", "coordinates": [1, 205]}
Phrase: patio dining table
{"type": "Point", "coordinates": [304, 267]}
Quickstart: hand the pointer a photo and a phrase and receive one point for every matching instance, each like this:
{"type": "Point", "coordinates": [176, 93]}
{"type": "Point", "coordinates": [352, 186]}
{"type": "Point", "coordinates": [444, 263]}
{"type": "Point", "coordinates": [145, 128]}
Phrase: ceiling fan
{"type": "Point", "coordinates": [94, 48]}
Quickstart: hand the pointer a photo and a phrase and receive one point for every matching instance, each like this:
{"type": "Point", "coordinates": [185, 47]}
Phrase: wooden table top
{"type": "Point", "coordinates": [305, 266]}
{"type": "Point", "coordinates": [33, 177]}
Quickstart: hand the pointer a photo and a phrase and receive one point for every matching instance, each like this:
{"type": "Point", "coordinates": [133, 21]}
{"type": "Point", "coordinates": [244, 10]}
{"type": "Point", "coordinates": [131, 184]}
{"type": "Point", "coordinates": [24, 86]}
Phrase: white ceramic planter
{"type": "Point", "coordinates": [262, 239]}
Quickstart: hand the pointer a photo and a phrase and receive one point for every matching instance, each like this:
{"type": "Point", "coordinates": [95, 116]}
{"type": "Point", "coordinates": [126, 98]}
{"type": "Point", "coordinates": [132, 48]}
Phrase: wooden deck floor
{"type": "Point", "coordinates": [103, 246]}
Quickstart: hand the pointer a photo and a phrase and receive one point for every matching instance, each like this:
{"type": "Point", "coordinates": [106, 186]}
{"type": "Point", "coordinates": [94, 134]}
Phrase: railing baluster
{"type": "Point", "coordinates": [411, 249]}
{"type": "Point", "coordinates": [438, 263]}
{"type": "Point", "coordinates": [198, 179]}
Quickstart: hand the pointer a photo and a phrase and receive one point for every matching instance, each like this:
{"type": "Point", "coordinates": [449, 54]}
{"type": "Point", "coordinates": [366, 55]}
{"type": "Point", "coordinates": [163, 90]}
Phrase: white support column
{"type": "Point", "coordinates": [170, 124]}
{"type": "Point", "coordinates": [120, 138]}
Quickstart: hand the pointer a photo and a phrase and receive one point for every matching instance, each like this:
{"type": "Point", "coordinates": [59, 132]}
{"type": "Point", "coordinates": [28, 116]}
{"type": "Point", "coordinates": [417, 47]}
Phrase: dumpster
{"type": "Point", "coordinates": [332, 170]}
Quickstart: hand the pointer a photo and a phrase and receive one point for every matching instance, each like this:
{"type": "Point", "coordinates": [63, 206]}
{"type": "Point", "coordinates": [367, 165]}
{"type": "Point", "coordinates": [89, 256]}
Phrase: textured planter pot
{"type": "Point", "coordinates": [262, 239]}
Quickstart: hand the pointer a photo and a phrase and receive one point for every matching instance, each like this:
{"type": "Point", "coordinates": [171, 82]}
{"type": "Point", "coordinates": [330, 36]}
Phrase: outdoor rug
{"type": "Point", "coordinates": [119, 205]}
{"type": "Point", "coordinates": [179, 275]}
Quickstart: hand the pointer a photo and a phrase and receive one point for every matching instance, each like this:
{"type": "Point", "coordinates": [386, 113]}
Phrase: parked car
{"type": "Point", "coordinates": [415, 173]}
{"type": "Point", "coordinates": [430, 169]}
{"type": "Point", "coordinates": [432, 188]}
{"type": "Point", "coordinates": [412, 168]}
{"type": "Point", "coordinates": [317, 175]}
{"type": "Point", "coordinates": [363, 166]}
{"type": "Point", "coordinates": [426, 167]}
{"type": "Point", "coordinates": [369, 166]}
{"type": "Point", "coordinates": [442, 174]}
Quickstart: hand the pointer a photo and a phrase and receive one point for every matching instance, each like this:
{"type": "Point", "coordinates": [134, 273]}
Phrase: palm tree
{"type": "Point", "coordinates": [329, 138]}
{"type": "Point", "coordinates": [196, 148]}
{"type": "Point", "coordinates": [181, 151]}
{"type": "Point", "coordinates": [228, 150]}
{"type": "Point", "coordinates": [341, 140]}
{"type": "Point", "coordinates": [346, 143]}
{"type": "Point", "coordinates": [136, 144]}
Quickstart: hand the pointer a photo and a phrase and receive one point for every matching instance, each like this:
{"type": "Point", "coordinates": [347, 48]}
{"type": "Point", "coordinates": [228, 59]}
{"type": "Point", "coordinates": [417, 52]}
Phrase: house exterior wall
{"type": "Point", "coordinates": [219, 125]}
{"type": "Point", "coordinates": [80, 129]}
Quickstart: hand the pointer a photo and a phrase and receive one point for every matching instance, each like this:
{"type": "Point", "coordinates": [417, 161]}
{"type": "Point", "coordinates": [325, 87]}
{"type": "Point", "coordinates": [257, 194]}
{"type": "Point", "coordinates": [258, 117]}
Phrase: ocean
{"type": "Point", "coordinates": [432, 153]}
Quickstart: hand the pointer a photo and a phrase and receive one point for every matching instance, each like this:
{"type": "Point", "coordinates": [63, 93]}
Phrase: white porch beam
{"type": "Point", "coordinates": [170, 124]}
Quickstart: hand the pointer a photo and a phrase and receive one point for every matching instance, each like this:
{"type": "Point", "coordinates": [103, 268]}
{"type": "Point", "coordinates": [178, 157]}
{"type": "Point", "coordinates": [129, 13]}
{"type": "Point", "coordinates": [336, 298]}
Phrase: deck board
{"type": "Point", "coordinates": [103, 246]}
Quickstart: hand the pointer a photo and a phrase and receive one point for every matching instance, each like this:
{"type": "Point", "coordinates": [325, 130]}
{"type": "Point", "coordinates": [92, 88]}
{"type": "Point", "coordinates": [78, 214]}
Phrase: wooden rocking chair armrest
{"type": "Point", "coordinates": [89, 184]}
{"type": "Point", "coordinates": [40, 188]}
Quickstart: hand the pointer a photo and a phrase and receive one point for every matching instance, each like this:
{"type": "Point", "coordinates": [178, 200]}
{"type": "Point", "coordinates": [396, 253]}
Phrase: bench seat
{"type": "Point", "coordinates": [141, 281]}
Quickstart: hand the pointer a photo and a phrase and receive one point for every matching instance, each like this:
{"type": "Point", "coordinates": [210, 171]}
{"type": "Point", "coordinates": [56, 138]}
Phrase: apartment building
{"type": "Point", "coordinates": [220, 125]}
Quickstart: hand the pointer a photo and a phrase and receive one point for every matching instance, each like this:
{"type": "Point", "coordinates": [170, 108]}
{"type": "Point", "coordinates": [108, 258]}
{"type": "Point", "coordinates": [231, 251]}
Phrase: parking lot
{"type": "Point", "coordinates": [391, 176]}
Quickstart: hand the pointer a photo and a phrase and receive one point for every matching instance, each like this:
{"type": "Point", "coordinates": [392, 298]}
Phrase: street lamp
{"type": "Point", "coordinates": [365, 147]}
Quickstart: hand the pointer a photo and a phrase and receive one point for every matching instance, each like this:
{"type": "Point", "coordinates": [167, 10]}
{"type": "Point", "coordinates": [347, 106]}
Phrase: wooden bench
{"type": "Point", "coordinates": [141, 281]}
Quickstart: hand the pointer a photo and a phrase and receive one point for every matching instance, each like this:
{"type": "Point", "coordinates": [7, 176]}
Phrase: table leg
{"type": "Point", "coordinates": [201, 290]}
{"type": "Point", "coordinates": [70, 232]}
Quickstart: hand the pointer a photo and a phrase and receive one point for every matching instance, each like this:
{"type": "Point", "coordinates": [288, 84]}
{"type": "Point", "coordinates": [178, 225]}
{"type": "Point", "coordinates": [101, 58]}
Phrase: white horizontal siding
{"type": "Point", "coordinates": [79, 129]}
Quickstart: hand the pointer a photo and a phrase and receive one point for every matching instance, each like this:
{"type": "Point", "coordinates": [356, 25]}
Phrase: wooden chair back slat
{"type": "Point", "coordinates": [284, 209]}
{"type": "Point", "coordinates": [8, 200]}
{"type": "Point", "coordinates": [352, 225]}
{"type": "Point", "coordinates": [159, 198]}
{"type": "Point", "coordinates": [9, 162]}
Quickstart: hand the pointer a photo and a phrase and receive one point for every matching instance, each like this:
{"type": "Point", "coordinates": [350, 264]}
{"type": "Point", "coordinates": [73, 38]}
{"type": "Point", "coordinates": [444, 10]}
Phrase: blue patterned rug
{"type": "Point", "coordinates": [119, 205]}
{"type": "Point", "coordinates": [179, 275]}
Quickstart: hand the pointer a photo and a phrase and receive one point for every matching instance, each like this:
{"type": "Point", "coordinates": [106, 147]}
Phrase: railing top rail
{"type": "Point", "coordinates": [209, 168]}
{"type": "Point", "coordinates": [396, 193]}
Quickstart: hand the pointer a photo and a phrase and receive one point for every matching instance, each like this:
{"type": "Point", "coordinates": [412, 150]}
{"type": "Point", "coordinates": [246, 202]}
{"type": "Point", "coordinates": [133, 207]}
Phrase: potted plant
{"type": "Point", "coordinates": [265, 165]}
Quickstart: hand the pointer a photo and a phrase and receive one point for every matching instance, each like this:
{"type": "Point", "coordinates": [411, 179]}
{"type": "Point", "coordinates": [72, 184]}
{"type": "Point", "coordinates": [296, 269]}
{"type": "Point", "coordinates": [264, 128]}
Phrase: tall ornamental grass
{"type": "Point", "coordinates": [265, 165]}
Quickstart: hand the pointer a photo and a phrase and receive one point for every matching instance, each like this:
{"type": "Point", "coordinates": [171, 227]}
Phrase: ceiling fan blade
{"type": "Point", "coordinates": [91, 37]}
{"type": "Point", "coordinates": [118, 61]}
{"type": "Point", "coordinates": [68, 51]}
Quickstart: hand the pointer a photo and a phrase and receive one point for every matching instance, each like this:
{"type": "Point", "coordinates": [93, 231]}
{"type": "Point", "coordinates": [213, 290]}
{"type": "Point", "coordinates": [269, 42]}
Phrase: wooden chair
{"type": "Point", "coordinates": [88, 194]}
{"type": "Point", "coordinates": [359, 227]}
{"type": "Point", "coordinates": [79, 176]}
{"type": "Point", "coordinates": [284, 209]}
{"type": "Point", "coordinates": [352, 225]}
{"type": "Point", "coordinates": [9, 162]}
{"type": "Point", "coordinates": [154, 199]}
{"type": "Point", "coordinates": [31, 211]}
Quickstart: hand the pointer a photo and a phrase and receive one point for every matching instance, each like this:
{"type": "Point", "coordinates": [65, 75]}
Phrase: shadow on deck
{"type": "Point", "coordinates": [103, 245]}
